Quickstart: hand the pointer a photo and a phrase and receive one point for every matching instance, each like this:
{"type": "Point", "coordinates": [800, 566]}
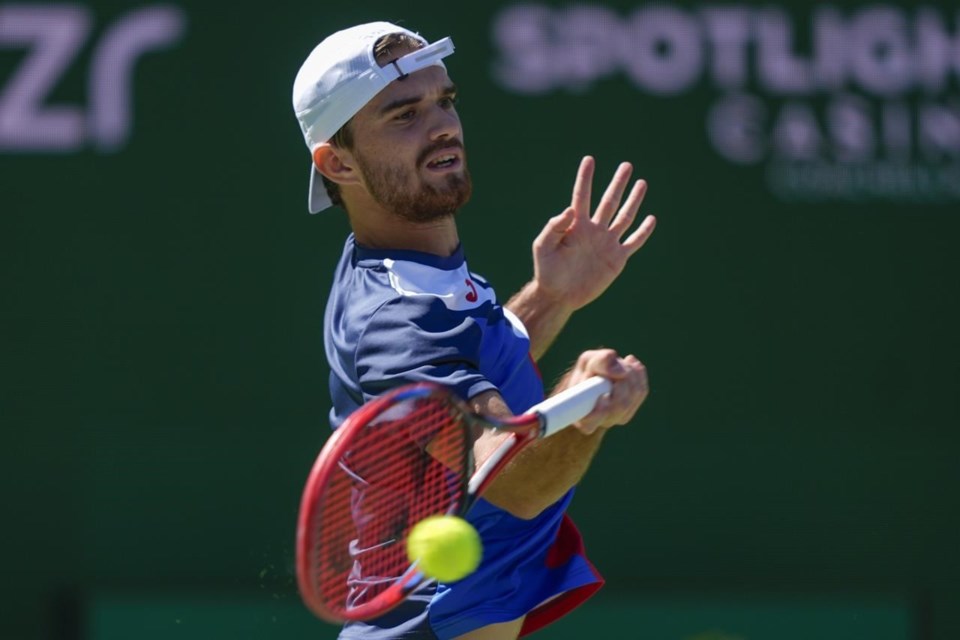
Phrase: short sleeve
{"type": "Point", "coordinates": [418, 339]}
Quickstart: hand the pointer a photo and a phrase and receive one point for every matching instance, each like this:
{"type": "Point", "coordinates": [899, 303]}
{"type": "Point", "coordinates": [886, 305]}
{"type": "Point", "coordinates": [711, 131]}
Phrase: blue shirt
{"type": "Point", "coordinates": [396, 317]}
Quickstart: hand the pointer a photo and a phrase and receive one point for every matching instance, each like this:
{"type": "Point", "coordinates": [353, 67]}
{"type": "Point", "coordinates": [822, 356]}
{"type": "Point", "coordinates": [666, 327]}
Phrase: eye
{"type": "Point", "coordinates": [449, 102]}
{"type": "Point", "coordinates": [406, 115]}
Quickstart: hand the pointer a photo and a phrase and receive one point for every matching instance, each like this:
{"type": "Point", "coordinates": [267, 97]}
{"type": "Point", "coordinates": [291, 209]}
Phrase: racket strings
{"type": "Point", "coordinates": [394, 474]}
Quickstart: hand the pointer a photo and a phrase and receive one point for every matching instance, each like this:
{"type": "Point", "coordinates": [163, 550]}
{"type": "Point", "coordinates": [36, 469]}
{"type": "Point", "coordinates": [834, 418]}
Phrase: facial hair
{"type": "Point", "coordinates": [389, 185]}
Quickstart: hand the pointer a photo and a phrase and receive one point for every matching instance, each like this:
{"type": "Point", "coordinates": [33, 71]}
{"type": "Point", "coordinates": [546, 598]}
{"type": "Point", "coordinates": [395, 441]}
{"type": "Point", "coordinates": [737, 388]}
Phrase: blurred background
{"type": "Point", "coordinates": [794, 473]}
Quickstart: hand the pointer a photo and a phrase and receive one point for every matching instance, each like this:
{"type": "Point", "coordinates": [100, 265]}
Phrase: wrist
{"type": "Point", "coordinates": [555, 300]}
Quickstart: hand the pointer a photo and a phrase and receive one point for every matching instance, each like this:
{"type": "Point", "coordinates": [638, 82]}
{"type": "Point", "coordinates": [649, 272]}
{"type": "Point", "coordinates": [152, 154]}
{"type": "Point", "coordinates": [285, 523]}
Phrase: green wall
{"type": "Point", "coordinates": [162, 380]}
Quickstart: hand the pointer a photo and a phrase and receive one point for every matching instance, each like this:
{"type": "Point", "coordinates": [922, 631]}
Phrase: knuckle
{"type": "Point", "coordinates": [608, 355]}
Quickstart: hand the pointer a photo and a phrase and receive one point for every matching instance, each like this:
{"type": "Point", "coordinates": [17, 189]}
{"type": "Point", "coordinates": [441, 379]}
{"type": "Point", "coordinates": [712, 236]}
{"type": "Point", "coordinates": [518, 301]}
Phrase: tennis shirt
{"type": "Point", "coordinates": [396, 317]}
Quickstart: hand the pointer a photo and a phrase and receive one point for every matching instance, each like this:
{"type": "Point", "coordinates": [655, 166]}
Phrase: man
{"type": "Point", "coordinates": [377, 110]}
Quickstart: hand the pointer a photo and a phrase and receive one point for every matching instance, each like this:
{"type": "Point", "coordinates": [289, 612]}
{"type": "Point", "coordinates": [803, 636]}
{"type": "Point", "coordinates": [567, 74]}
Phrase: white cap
{"type": "Point", "coordinates": [340, 76]}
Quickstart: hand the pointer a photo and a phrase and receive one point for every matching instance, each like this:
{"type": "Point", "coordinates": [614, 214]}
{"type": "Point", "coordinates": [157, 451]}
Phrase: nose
{"type": "Point", "coordinates": [445, 124]}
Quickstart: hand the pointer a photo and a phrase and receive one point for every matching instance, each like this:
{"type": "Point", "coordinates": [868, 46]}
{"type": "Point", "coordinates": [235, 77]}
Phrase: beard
{"type": "Point", "coordinates": [389, 186]}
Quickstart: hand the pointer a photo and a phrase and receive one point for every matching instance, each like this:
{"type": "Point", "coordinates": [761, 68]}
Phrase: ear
{"type": "Point", "coordinates": [335, 163]}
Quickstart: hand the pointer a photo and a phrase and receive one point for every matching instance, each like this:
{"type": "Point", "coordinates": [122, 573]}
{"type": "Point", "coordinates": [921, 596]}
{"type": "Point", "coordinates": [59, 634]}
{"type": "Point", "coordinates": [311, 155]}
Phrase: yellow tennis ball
{"type": "Point", "coordinates": [447, 548]}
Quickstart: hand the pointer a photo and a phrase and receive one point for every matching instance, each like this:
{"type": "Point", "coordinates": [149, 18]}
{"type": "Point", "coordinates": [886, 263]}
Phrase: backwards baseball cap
{"type": "Point", "coordinates": [340, 76]}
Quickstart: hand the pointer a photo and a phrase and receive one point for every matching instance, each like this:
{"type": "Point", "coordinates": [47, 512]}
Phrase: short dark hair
{"type": "Point", "coordinates": [343, 138]}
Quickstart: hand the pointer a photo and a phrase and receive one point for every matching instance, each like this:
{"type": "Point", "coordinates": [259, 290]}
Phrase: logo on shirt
{"type": "Point", "coordinates": [458, 289]}
{"type": "Point", "coordinates": [472, 296]}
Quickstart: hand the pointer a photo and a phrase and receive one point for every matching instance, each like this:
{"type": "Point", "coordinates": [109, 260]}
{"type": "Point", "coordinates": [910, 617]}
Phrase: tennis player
{"type": "Point", "coordinates": [378, 113]}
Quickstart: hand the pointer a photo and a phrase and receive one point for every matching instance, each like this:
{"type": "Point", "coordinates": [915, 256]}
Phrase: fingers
{"type": "Point", "coordinates": [604, 214]}
{"type": "Point", "coordinates": [613, 194]}
{"type": "Point", "coordinates": [597, 362]}
{"type": "Point", "coordinates": [630, 388]}
{"type": "Point", "coordinates": [582, 187]}
{"type": "Point", "coordinates": [640, 236]}
{"type": "Point", "coordinates": [554, 230]}
{"type": "Point", "coordinates": [628, 212]}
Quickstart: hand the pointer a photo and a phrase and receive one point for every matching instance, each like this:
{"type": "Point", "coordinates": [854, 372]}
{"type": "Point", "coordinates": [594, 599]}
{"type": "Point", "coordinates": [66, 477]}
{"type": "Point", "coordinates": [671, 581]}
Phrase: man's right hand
{"type": "Point", "coordinates": [630, 387]}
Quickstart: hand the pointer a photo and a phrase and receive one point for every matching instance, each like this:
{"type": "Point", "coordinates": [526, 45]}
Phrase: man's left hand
{"type": "Point", "coordinates": [578, 255]}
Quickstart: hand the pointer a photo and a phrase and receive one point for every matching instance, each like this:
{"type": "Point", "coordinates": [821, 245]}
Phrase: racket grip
{"type": "Point", "coordinates": [563, 409]}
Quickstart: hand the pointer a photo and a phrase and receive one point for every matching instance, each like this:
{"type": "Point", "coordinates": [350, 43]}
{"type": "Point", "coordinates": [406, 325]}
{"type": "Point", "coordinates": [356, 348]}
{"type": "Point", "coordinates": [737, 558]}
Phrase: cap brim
{"type": "Point", "coordinates": [317, 199]}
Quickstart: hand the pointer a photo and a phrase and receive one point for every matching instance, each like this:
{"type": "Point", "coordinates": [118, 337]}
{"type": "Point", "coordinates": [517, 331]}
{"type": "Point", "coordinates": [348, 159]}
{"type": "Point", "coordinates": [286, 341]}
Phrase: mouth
{"type": "Point", "coordinates": [445, 161]}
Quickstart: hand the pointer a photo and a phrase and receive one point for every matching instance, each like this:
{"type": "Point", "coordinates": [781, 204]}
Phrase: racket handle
{"type": "Point", "coordinates": [568, 406]}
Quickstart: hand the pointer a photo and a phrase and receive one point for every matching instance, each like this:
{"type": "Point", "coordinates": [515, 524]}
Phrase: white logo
{"type": "Point", "coordinates": [856, 104]}
{"type": "Point", "coordinates": [53, 35]}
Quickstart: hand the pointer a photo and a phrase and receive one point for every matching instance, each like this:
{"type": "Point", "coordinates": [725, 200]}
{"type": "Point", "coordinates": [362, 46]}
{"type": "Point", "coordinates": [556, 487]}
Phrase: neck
{"type": "Point", "coordinates": [376, 228]}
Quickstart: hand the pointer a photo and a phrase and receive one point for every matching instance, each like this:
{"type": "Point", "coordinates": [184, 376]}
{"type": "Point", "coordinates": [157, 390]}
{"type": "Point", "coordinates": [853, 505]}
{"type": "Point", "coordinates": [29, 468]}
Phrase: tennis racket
{"type": "Point", "coordinates": [395, 461]}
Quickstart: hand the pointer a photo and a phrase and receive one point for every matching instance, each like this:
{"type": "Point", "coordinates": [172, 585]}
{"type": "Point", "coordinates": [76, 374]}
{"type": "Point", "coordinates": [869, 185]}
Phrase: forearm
{"type": "Point", "coordinates": [543, 316]}
{"type": "Point", "coordinates": [543, 472]}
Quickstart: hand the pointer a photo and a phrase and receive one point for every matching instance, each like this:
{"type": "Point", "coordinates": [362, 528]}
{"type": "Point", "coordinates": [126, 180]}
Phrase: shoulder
{"type": "Point", "coordinates": [457, 289]}
{"type": "Point", "coordinates": [407, 291]}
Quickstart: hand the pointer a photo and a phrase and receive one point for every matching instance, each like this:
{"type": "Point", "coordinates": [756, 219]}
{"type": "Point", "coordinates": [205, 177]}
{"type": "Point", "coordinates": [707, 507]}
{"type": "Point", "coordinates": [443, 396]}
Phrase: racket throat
{"type": "Point", "coordinates": [494, 462]}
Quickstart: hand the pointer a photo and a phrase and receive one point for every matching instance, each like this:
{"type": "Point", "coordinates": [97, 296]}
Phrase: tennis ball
{"type": "Point", "coordinates": [447, 548]}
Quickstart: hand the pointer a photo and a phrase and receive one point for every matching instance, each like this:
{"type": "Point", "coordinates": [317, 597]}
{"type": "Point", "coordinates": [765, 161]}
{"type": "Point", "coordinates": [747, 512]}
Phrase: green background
{"type": "Point", "coordinates": [163, 384]}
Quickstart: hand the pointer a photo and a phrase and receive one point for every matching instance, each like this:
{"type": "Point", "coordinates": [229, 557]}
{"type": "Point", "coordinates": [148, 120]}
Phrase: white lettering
{"type": "Point", "coordinates": [861, 104]}
{"type": "Point", "coordinates": [780, 70]}
{"type": "Point", "coordinates": [890, 181]}
{"type": "Point", "coordinates": [829, 43]}
{"type": "Point", "coordinates": [663, 52]}
{"type": "Point", "coordinates": [111, 71]}
{"type": "Point", "coordinates": [939, 131]}
{"type": "Point", "coordinates": [795, 133]}
{"type": "Point", "coordinates": [735, 125]}
{"type": "Point", "coordinates": [586, 54]}
{"type": "Point", "coordinates": [896, 129]}
{"type": "Point", "coordinates": [938, 52]}
{"type": "Point", "coordinates": [54, 35]}
{"type": "Point", "coordinates": [851, 129]}
{"type": "Point", "coordinates": [729, 31]}
{"type": "Point", "coordinates": [526, 62]}
{"type": "Point", "coordinates": [879, 54]}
